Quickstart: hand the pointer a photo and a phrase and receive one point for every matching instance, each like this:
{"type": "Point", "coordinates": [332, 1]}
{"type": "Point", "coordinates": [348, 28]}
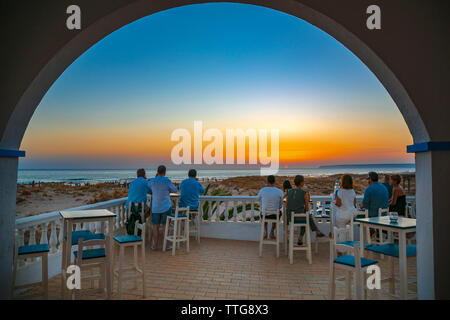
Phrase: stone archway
{"type": "Point", "coordinates": [387, 60]}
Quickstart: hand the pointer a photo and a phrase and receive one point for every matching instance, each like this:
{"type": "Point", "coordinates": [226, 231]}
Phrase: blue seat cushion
{"type": "Point", "coordinates": [179, 215]}
{"type": "Point", "coordinates": [34, 248]}
{"type": "Point", "coordinates": [91, 253]}
{"type": "Point", "coordinates": [391, 249]}
{"type": "Point", "coordinates": [86, 235]}
{"type": "Point", "coordinates": [349, 260]}
{"type": "Point", "coordinates": [352, 243]}
{"type": "Point", "coordinates": [125, 239]}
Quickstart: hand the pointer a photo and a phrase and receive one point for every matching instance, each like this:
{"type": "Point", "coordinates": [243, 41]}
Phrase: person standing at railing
{"type": "Point", "coordinates": [398, 201]}
{"type": "Point", "coordinates": [190, 190]}
{"type": "Point", "coordinates": [387, 184]}
{"type": "Point", "coordinates": [139, 188]}
{"type": "Point", "coordinates": [286, 186]}
{"type": "Point", "coordinates": [345, 202]}
{"type": "Point", "coordinates": [271, 198]}
{"type": "Point", "coordinates": [161, 204]}
{"type": "Point", "coordinates": [298, 202]}
{"type": "Point", "coordinates": [376, 196]}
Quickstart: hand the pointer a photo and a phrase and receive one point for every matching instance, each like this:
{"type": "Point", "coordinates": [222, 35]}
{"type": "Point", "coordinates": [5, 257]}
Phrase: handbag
{"type": "Point", "coordinates": [135, 215]}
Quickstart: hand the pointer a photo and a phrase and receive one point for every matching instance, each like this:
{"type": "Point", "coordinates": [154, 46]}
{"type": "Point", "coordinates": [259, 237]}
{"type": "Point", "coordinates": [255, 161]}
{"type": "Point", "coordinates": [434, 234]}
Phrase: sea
{"type": "Point", "coordinates": [113, 175]}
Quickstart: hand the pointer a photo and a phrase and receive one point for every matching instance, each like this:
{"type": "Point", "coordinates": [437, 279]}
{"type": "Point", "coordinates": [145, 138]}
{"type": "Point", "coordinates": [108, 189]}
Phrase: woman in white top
{"type": "Point", "coordinates": [345, 202]}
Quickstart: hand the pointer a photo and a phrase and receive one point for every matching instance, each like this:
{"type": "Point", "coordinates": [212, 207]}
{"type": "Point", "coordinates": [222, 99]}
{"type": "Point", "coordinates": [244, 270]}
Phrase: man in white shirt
{"type": "Point", "coordinates": [271, 198]}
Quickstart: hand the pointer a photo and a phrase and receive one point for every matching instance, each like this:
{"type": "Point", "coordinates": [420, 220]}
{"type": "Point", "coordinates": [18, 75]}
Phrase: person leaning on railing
{"type": "Point", "coordinates": [161, 204]}
{"type": "Point", "coordinates": [139, 188]}
{"type": "Point", "coordinates": [271, 198]}
{"type": "Point", "coordinates": [190, 190]}
{"type": "Point", "coordinates": [298, 202]}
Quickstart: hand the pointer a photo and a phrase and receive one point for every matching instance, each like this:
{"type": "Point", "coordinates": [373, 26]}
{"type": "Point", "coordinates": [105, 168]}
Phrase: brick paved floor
{"type": "Point", "coordinates": [230, 269]}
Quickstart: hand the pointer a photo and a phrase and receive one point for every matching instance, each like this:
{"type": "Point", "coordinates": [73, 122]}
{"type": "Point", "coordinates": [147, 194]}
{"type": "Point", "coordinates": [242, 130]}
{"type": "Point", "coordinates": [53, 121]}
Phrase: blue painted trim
{"type": "Point", "coordinates": [428, 146]}
{"type": "Point", "coordinates": [11, 153]}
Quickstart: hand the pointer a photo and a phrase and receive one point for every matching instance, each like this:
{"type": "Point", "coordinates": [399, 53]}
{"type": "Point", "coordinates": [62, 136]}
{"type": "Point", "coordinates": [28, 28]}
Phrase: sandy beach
{"type": "Point", "coordinates": [48, 197]}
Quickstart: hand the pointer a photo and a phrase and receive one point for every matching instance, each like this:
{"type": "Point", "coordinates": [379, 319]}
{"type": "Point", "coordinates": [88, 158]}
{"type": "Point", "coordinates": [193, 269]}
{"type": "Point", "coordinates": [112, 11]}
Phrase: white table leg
{"type": "Point", "coordinates": [403, 266]}
{"type": "Point", "coordinates": [361, 239]}
{"type": "Point", "coordinates": [63, 256]}
{"type": "Point", "coordinates": [109, 271]}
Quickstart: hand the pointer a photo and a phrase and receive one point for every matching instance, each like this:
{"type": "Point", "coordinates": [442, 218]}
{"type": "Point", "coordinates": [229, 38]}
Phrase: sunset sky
{"type": "Point", "coordinates": [228, 65]}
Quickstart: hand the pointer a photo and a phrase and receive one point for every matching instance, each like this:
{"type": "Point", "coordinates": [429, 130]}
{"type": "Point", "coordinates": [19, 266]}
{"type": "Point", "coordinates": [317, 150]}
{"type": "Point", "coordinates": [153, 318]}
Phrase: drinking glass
{"type": "Point", "coordinates": [393, 216]}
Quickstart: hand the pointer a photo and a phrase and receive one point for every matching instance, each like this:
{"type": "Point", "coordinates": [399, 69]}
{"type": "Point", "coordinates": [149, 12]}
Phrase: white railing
{"type": "Point", "coordinates": [46, 227]}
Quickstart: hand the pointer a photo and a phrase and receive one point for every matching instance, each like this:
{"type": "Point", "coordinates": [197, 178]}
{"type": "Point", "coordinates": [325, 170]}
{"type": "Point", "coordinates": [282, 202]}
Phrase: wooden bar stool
{"type": "Point", "coordinates": [194, 217]}
{"type": "Point", "coordinates": [295, 223]}
{"type": "Point", "coordinates": [351, 263]}
{"type": "Point", "coordinates": [274, 217]}
{"type": "Point", "coordinates": [90, 258]}
{"type": "Point", "coordinates": [181, 215]}
{"type": "Point", "coordinates": [379, 238]}
{"type": "Point", "coordinates": [353, 223]}
{"type": "Point", "coordinates": [28, 252]}
{"type": "Point", "coordinates": [147, 222]}
{"type": "Point", "coordinates": [122, 242]}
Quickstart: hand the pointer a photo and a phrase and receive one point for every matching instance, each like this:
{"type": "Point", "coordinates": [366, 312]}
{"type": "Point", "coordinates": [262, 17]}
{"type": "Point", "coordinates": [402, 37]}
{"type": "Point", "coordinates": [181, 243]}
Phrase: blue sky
{"type": "Point", "coordinates": [229, 65]}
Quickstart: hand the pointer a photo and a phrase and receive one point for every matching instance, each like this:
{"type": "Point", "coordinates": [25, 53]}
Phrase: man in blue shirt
{"type": "Point", "coordinates": [190, 190]}
{"type": "Point", "coordinates": [161, 203]}
{"type": "Point", "coordinates": [138, 190]}
{"type": "Point", "coordinates": [375, 196]}
{"type": "Point", "coordinates": [387, 184]}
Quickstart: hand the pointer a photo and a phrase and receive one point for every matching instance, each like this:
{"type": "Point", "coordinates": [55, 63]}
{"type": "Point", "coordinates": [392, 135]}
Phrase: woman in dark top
{"type": "Point", "coordinates": [398, 201]}
{"type": "Point", "coordinates": [298, 202]}
{"type": "Point", "coordinates": [286, 186]}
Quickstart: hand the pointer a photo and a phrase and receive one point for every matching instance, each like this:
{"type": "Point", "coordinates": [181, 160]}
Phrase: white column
{"type": "Point", "coordinates": [8, 186]}
{"type": "Point", "coordinates": [433, 224]}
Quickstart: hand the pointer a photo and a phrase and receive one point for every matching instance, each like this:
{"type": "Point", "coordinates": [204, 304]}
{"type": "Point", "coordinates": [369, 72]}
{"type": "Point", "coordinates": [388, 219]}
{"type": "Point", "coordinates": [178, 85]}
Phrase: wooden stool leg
{"type": "Point", "coordinates": [186, 232]}
{"type": "Point", "coordinates": [143, 269]}
{"type": "Point", "coordinates": [104, 280]}
{"type": "Point", "coordinates": [198, 227]}
{"type": "Point", "coordinates": [121, 264]}
{"type": "Point", "coordinates": [175, 236]}
{"type": "Point", "coordinates": [166, 233]}
{"type": "Point", "coordinates": [358, 284]}
{"type": "Point", "coordinates": [308, 238]}
{"type": "Point", "coordinates": [261, 238]}
{"type": "Point", "coordinates": [45, 274]}
{"type": "Point", "coordinates": [348, 284]}
{"type": "Point", "coordinates": [278, 238]}
{"type": "Point", "coordinates": [332, 282]}
{"type": "Point", "coordinates": [291, 244]}
{"type": "Point", "coordinates": [136, 266]}
{"type": "Point", "coordinates": [392, 276]}
{"type": "Point", "coordinates": [364, 285]}
{"type": "Point", "coordinates": [102, 283]}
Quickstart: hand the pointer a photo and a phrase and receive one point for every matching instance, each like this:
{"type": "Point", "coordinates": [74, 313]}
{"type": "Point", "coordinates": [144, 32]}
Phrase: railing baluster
{"type": "Point", "coordinates": [235, 212]}
{"type": "Point", "coordinates": [44, 238]}
{"type": "Point", "coordinates": [209, 210]}
{"type": "Point", "coordinates": [32, 239]}
{"type": "Point", "coordinates": [252, 211]}
{"type": "Point", "coordinates": [226, 211]}
{"type": "Point", "coordinates": [61, 235]}
{"type": "Point", "coordinates": [53, 237]}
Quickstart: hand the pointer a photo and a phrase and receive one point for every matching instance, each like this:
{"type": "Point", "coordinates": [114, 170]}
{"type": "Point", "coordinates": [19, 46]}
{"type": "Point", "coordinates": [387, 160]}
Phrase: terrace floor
{"type": "Point", "coordinates": [231, 269]}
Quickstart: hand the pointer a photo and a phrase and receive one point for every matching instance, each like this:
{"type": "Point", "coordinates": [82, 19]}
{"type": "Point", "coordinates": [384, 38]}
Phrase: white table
{"type": "Point", "coordinates": [402, 227]}
{"type": "Point", "coordinates": [80, 216]}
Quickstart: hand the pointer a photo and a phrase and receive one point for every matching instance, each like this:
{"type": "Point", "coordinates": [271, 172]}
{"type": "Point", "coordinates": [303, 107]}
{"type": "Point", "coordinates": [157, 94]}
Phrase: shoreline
{"type": "Point", "coordinates": [53, 196]}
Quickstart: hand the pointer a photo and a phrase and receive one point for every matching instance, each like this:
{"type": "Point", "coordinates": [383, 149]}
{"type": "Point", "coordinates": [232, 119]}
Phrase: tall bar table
{"type": "Point", "coordinates": [86, 216]}
{"type": "Point", "coordinates": [402, 227]}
